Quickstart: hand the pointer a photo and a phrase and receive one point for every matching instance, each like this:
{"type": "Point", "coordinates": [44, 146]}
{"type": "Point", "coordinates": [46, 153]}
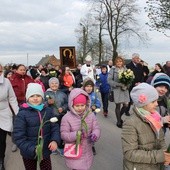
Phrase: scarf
{"type": "Point", "coordinates": [153, 120]}
{"type": "Point", "coordinates": [37, 107]}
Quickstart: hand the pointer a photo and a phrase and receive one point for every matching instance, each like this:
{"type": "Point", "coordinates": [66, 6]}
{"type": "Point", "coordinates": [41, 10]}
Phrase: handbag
{"type": "Point", "coordinates": [70, 151]}
{"type": "Point", "coordinates": [111, 96]}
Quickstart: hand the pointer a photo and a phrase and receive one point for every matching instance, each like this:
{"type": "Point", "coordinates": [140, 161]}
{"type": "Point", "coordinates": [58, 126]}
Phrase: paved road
{"type": "Point", "coordinates": [109, 152]}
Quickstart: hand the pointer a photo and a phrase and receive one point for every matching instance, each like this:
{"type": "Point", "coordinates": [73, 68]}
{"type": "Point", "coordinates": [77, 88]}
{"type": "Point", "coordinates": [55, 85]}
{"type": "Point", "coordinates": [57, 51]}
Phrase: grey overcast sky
{"type": "Point", "coordinates": [36, 28]}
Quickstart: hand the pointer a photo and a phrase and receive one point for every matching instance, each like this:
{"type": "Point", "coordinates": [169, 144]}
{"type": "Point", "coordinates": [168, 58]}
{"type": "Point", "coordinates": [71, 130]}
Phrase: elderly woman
{"type": "Point", "coordinates": [7, 100]}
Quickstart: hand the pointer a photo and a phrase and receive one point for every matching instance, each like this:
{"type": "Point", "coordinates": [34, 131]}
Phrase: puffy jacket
{"type": "Point", "coordinates": [26, 128]}
{"type": "Point", "coordinates": [102, 83]}
{"type": "Point", "coordinates": [61, 100]}
{"type": "Point", "coordinates": [19, 84]}
{"type": "Point", "coordinates": [70, 124]}
{"type": "Point", "coordinates": [141, 148]}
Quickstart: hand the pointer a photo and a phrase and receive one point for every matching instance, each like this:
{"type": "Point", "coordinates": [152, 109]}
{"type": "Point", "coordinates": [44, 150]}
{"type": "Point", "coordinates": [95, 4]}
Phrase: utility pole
{"type": "Point", "coordinates": [27, 60]}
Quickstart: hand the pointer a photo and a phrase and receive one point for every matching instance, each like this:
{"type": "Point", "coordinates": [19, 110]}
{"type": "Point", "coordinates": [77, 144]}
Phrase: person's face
{"type": "Point", "coordinates": [67, 70]}
{"type": "Point", "coordinates": [54, 86]}
{"type": "Point", "coordinates": [35, 99]}
{"type": "Point", "coordinates": [88, 89]}
{"type": "Point", "coordinates": [168, 63]}
{"type": "Point", "coordinates": [21, 70]}
{"type": "Point", "coordinates": [136, 60]}
{"type": "Point", "coordinates": [157, 67]}
{"type": "Point", "coordinates": [110, 63]}
{"type": "Point", "coordinates": [43, 73]}
{"type": "Point", "coordinates": [88, 62]}
{"type": "Point", "coordinates": [79, 66]}
{"type": "Point", "coordinates": [119, 63]}
{"type": "Point", "coordinates": [162, 90]}
{"type": "Point", "coordinates": [79, 108]}
{"type": "Point", "coordinates": [104, 70]}
{"type": "Point", "coordinates": [151, 107]}
{"type": "Point", "coordinates": [9, 75]}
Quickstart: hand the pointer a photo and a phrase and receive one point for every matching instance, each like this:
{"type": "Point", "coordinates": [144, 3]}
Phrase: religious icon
{"type": "Point", "coordinates": [67, 56]}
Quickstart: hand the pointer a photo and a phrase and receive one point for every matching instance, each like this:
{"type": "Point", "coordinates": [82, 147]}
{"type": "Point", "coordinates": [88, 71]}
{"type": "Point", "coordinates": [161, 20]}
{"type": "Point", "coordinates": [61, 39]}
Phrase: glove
{"type": "Point", "coordinates": [93, 137]}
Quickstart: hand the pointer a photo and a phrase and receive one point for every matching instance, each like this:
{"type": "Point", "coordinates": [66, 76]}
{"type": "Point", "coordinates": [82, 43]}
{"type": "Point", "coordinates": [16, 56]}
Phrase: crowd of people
{"type": "Point", "coordinates": [31, 97]}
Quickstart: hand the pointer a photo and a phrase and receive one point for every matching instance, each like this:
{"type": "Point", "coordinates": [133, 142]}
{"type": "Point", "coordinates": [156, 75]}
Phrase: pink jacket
{"type": "Point", "coordinates": [70, 124]}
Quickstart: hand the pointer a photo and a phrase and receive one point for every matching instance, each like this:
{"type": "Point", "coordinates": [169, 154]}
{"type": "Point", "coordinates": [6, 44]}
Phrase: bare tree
{"type": "Point", "coordinates": [120, 15]}
{"type": "Point", "coordinates": [158, 14]}
{"type": "Point", "coordinates": [120, 21]}
{"type": "Point", "coordinates": [89, 34]}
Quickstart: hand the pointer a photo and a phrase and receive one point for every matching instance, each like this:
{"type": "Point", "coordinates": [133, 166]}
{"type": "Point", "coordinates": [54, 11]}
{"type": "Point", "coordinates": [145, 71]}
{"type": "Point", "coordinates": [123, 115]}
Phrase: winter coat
{"type": "Point", "coordinates": [78, 78]}
{"type": "Point", "coordinates": [19, 84]}
{"type": "Point", "coordinates": [120, 96]}
{"type": "Point", "coordinates": [141, 148]}
{"type": "Point", "coordinates": [44, 80]}
{"type": "Point", "coordinates": [138, 72]}
{"type": "Point", "coordinates": [70, 124]}
{"type": "Point", "coordinates": [102, 83]}
{"type": "Point", "coordinates": [7, 97]}
{"type": "Point", "coordinates": [26, 126]}
{"type": "Point", "coordinates": [61, 100]}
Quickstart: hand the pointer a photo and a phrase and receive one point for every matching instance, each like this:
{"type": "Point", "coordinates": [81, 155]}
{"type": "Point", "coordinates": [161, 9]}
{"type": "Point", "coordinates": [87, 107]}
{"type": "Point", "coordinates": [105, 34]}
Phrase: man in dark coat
{"type": "Point", "coordinates": [137, 69]}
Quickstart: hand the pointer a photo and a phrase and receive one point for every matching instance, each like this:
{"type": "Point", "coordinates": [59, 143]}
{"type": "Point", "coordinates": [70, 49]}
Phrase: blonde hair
{"type": "Point", "coordinates": [119, 58]}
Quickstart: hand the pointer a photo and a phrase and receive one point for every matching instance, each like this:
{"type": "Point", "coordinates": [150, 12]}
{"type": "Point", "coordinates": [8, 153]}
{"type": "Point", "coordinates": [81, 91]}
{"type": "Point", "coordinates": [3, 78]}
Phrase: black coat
{"type": "Point", "coordinates": [26, 128]}
{"type": "Point", "coordinates": [138, 72]}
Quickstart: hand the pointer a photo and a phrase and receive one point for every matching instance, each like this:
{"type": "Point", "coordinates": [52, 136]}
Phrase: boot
{"type": "Point", "coordinates": [2, 164]}
{"type": "Point", "coordinates": [105, 114]}
{"type": "Point", "coordinates": [119, 120]}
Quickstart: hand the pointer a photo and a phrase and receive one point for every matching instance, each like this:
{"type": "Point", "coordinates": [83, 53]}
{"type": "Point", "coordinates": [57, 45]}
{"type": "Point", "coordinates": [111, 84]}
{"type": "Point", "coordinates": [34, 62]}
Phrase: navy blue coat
{"type": "Point", "coordinates": [25, 133]}
{"type": "Point", "coordinates": [102, 83]}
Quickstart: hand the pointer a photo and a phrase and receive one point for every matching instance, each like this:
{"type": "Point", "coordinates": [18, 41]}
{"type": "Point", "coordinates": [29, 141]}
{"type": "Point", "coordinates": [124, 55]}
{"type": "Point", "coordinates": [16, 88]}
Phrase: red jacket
{"type": "Point", "coordinates": [19, 84]}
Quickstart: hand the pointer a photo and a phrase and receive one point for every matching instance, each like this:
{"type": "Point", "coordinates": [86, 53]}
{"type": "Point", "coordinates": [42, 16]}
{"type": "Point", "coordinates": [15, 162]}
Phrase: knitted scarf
{"type": "Point", "coordinates": [153, 120]}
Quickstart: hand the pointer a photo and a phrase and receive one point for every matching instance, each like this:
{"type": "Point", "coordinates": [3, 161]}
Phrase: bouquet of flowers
{"type": "Point", "coordinates": [126, 77]}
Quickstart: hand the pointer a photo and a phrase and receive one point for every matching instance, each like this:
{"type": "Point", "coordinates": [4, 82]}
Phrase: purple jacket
{"type": "Point", "coordinates": [70, 124]}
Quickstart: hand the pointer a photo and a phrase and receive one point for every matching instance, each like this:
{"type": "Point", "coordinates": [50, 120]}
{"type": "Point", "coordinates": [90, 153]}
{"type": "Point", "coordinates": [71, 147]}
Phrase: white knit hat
{"type": "Point", "coordinates": [34, 88]}
{"type": "Point", "coordinates": [143, 94]}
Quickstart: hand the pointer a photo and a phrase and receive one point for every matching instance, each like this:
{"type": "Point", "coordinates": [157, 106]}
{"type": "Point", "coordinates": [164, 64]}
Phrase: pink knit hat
{"type": "Point", "coordinates": [80, 99]}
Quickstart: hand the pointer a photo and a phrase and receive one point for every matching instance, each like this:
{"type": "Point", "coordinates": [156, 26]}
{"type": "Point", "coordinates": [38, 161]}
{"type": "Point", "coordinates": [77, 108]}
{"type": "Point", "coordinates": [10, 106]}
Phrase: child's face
{"type": "Point", "coordinates": [35, 99]}
{"type": "Point", "coordinates": [162, 90]}
{"type": "Point", "coordinates": [54, 86]}
{"type": "Point", "coordinates": [104, 70]}
{"type": "Point", "coordinates": [88, 89]}
{"type": "Point", "coordinates": [151, 107]}
{"type": "Point", "coordinates": [79, 108]}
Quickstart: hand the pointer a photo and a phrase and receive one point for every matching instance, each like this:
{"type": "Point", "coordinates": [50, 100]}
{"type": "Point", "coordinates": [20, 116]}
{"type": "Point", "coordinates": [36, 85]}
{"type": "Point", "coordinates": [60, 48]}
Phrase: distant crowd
{"type": "Point", "coordinates": [32, 96]}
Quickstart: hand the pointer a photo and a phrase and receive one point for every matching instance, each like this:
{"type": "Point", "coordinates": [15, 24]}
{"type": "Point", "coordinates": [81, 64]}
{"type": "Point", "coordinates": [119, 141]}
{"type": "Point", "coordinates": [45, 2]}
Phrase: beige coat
{"type": "Point", "coordinates": [7, 96]}
{"type": "Point", "coordinates": [141, 149]}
